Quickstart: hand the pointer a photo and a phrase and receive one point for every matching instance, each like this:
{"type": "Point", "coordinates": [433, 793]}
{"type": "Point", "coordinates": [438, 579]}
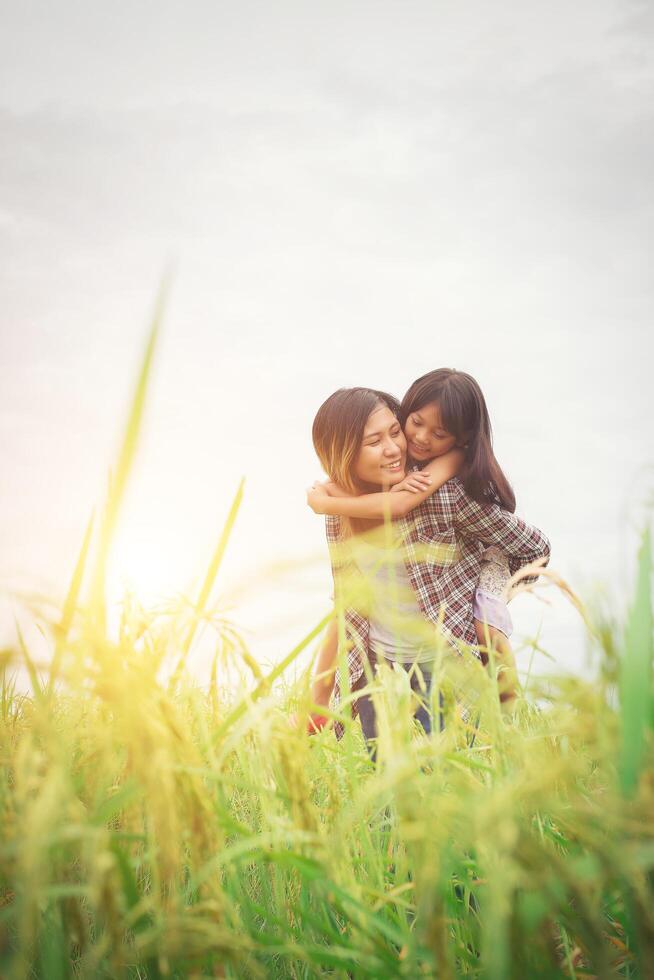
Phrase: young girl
{"type": "Point", "coordinates": [448, 432]}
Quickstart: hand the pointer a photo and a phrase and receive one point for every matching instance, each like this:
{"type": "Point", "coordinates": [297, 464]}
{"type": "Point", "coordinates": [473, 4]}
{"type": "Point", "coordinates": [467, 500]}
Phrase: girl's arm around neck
{"type": "Point", "coordinates": [329, 498]}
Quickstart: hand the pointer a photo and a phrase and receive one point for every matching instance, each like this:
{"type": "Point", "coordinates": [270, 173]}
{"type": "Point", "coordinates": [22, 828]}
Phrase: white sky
{"type": "Point", "coordinates": [353, 193]}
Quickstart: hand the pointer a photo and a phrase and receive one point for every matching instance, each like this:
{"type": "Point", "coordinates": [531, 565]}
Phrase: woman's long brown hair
{"type": "Point", "coordinates": [463, 412]}
{"type": "Point", "coordinates": [338, 431]}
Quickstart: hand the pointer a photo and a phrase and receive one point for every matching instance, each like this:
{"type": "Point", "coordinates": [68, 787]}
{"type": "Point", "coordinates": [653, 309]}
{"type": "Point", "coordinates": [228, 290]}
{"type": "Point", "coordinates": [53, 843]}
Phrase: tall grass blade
{"type": "Point", "coordinates": [29, 663]}
{"type": "Point", "coordinates": [70, 605]}
{"type": "Point", "coordinates": [52, 946]}
{"type": "Point", "coordinates": [120, 475]}
{"type": "Point", "coordinates": [264, 686]}
{"type": "Point", "coordinates": [213, 569]}
{"type": "Point", "coordinates": [636, 674]}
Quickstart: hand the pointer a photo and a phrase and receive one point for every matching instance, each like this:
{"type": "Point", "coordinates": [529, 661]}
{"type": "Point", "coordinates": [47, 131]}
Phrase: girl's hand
{"type": "Point", "coordinates": [316, 497]}
{"type": "Point", "coordinates": [414, 482]}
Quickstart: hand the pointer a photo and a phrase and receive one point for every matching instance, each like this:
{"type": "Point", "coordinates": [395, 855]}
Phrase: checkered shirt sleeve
{"type": "Point", "coordinates": [492, 525]}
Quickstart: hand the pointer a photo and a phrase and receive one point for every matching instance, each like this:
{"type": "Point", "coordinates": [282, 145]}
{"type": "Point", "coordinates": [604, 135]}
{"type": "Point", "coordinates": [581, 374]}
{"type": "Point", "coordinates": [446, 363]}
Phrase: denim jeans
{"type": "Point", "coordinates": [423, 713]}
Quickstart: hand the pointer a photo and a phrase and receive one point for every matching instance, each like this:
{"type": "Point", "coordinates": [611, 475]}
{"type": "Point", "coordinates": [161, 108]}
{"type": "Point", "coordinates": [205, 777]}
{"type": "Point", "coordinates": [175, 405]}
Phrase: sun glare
{"type": "Point", "coordinates": [136, 566]}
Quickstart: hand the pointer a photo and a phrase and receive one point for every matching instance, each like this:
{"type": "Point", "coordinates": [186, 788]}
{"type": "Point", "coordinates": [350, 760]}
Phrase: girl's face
{"type": "Point", "coordinates": [382, 456]}
{"type": "Point", "coordinates": [425, 434]}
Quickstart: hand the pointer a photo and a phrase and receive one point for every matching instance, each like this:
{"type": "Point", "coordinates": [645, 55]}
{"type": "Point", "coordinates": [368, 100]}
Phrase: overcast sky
{"type": "Point", "coordinates": [352, 193]}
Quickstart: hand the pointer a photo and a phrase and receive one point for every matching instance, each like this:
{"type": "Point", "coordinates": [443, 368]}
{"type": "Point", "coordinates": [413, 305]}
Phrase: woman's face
{"type": "Point", "coordinates": [382, 456]}
{"type": "Point", "coordinates": [425, 434]}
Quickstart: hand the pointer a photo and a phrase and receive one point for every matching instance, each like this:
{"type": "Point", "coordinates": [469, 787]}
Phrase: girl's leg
{"type": "Point", "coordinates": [493, 622]}
{"type": "Point", "coordinates": [508, 683]}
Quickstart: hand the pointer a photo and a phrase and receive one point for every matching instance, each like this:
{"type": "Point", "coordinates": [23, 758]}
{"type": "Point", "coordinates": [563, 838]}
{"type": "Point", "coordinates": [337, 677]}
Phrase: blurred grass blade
{"type": "Point", "coordinates": [125, 460]}
{"type": "Point", "coordinates": [70, 604]}
{"type": "Point", "coordinates": [212, 571]}
{"type": "Point", "coordinates": [636, 674]}
{"type": "Point", "coordinates": [29, 663]}
{"type": "Point", "coordinates": [52, 946]}
{"type": "Point", "coordinates": [265, 685]}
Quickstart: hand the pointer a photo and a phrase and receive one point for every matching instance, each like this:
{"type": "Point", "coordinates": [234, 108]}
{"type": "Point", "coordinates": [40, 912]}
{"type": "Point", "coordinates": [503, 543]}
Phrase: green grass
{"type": "Point", "coordinates": [154, 829]}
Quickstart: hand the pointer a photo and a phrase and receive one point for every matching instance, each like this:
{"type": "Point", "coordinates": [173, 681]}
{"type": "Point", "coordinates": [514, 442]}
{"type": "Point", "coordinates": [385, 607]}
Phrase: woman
{"type": "Point", "coordinates": [360, 443]}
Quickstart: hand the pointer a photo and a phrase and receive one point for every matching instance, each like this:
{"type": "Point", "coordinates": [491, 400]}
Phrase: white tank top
{"type": "Point", "coordinates": [398, 629]}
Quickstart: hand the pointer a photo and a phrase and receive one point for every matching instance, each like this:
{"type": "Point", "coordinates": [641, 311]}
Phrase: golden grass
{"type": "Point", "coordinates": [154, 829]}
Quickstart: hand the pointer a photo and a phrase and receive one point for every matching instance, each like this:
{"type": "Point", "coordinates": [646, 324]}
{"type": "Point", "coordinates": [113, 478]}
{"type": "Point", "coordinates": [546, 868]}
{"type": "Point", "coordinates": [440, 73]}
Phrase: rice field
{"type": "Point", "coordinates": [152, 828]}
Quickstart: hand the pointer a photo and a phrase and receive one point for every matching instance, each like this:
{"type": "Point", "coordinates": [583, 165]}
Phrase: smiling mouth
{"type": "Point", "coordinates": [417, 449]}
{"type": "Point", "coordinates": [394, 466]}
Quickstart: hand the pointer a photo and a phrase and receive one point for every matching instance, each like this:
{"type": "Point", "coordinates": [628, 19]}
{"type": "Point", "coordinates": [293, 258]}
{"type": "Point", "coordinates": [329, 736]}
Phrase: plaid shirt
{"type": "Point", "coordinates": [444, 538]}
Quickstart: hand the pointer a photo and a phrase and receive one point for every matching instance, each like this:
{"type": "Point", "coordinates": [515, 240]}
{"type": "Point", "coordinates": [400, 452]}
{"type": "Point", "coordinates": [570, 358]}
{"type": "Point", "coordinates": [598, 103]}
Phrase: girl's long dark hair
{"type": "Point", "coordinates": [464, 414]}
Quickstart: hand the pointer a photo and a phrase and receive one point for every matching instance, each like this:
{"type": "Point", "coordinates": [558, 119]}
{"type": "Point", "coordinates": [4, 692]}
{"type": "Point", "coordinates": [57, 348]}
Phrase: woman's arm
{"type": "Point", "coordinates": [398, 503]}
{"type": "Point", "coordinates": [323, 682]}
